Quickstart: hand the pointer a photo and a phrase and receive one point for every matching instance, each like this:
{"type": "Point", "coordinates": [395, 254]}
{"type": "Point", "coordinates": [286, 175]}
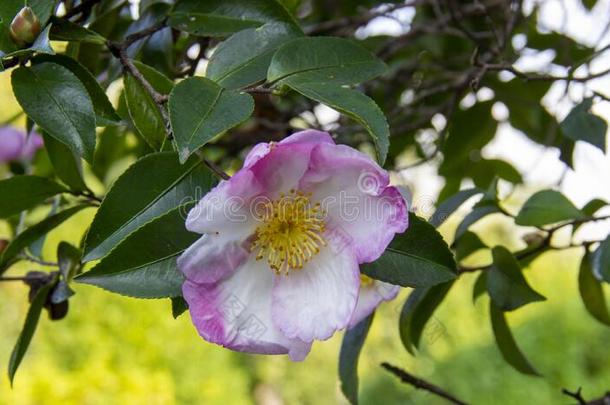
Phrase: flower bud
{"type": "Point", "coordinates": [25, 27]}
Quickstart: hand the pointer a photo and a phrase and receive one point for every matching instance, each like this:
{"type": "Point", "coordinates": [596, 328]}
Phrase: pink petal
{"type": "Point", "coordinates": [11, 144]}
{"type": "Point", "coordinates": [317, 300]}
{"type": "Point", "coordinates": [370, 297]}
{"type": "Point", "coordinates": [360, 204]}
{"type": "Point", "coordinates": [236, 313]}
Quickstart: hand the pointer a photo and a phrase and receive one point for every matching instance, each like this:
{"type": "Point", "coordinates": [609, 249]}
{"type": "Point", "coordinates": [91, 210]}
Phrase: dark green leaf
{"type": "Point", "coordinates": [467, 244]}
{"type": "Point", "coordinates": [581, 125]}
{"type": "Point", "coordinates": [34, 232]}
{"type": "Point", "coordinates": [137, 198]}
{"type": "Point", "coordinates": [591, 292]}
{"type": "Point", "coordinates": [324, 60]}
{"type": "Point", "coordinates": [199, 110]}
{"type": "Point", "coordinates": [417, 311]}
{"type": "Point", "coordinates": [353, 340]}
{"type": "Point", "coordinates": [25, 192]}
{"type": "Point", "coordinates": [506, 285]}
{"type": "Point", "coordinates": [59, 103]}
{"type": "Point", "coordinates": [179, 306]}
{"type": "Point", "coordinates": [104, 111]}
{"type": "Point", "coordinates": [151, 272]}
{"type": "Point", "coordinates": [547, 207]}
{"type": "Point", "coordinates": [506, 342]}
{"type": "Point", "coordinates": [65, 30]}
{"type": "Point", "coordinates": [29, 327]}
{"type": "Point", "coordinates": [61, 293]}
{"type": "Point", "coordinates": [353, 104]}
{"type": "Point", "coordinates": [473, 216]}
{"type": "Point", "coordinates": [67, 166]}
{"type": "Point", "coordinates": [480, 286]}
{"type": "Point", "coordinates": [143, 110]}
{"type": "Point", "coordinates": [68, 258]}
{"type": "Point", "coordinates": [417, 258]}
{"type": "Point", "coordinates": [244, 58]}
{"type": "Point", "coordinates": [448, 207]}
{"type": "Point", "coordinates": [601, 261]}
{"type": "Point", "coordinates": [223, 17]}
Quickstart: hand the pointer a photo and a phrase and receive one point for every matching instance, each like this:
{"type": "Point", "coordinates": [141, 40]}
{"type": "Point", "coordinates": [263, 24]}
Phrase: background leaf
{"type": "Point", "coordinates": [353, 340]}
{"type": "Point", "coordinates": [26, 192]}
{"type": "Point", "coordinates": [547, 207]}
{"type": "Point", "coordinates": [591, 292]}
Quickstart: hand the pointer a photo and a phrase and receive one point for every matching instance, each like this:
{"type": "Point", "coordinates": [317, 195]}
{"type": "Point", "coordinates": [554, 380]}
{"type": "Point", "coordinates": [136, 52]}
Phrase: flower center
{"type": "Point", "coordinates": [290, 233]}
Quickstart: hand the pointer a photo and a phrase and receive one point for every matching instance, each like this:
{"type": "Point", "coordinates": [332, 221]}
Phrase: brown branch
{"type": "Point", "coordinates": [419, 383]}
{"type": "Point", "coordinates": [577, 395]}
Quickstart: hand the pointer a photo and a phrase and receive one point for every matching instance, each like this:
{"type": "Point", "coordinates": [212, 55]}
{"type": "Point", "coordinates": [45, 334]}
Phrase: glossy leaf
{"type": "Point", "coordinates": [547, 207]}
{"type": "Point", "coordinates": [353, 104]}
{"type": "Point", "coordinates": [243, 59]}
{"type": "Point", "coordinates": [582, 125]}
{"type": "Point", "coordinates": [477, 213]}
{"type": "Point", "coordinates": [26, 192]}
{"type": "Point", "coordinates": [67, 166]}
{"type": "Point", "coordinates": [417, 311]}
{"type": "Point", "coordinates": [179, 306]}
{"type": "Point", "coordinates": [468, 244]}
{"type": "Point", "coordinates": [137, 198]}
{"type": "Point", "coordinates": [65, 30]}
{"type": "Point", "coordinates": [68, 258]}
{"type": "Point", "coordinates": [143, 110]}
{"type": "Point", "coordinates": [59, 103]}
{"type": "Point", "coordinates": [324, 60]}
{"type": "Point", "coordinates": [31, 234]}
{"type": "Point", "coordinates": [506, 284]}
{"type": "Point", "coordinates": [199, 110]}
{"type": "Point", "coordinates": [104, 111]}
{"type": "Point", "coordinates": [601, 260]}
{"type": "Point", "coordinates": [27, 332]}
{"type": "Point", "coordinates": [223, 17]}
{"type": "Point", "coordinates": [451, 204]}
{"type": "Point", "coordinates": [353, 340]}
{"type": "Point", "coordinates": [152, 272]}
{"type": "Point", "coordinates": [417, 258]}
{"type": "Point", "coordinates": [506, 342]}
{"type": "Point", "coordinates": [591, 292]}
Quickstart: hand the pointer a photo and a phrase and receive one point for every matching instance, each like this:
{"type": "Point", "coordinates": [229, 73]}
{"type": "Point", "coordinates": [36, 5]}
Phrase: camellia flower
{"type": "Point", "coordinates": [277, 266]}
{"type": "Point", "coordinates": [16, 145]}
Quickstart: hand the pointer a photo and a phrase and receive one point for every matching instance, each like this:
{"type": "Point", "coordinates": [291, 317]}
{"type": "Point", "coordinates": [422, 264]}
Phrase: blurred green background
{"type": "Point", "coordinates": [112, 349]}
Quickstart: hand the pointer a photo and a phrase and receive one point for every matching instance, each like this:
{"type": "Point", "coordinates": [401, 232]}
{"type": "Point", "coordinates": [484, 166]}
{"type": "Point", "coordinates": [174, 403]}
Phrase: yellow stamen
{"type": "Point", "coordinates": [290, 233]}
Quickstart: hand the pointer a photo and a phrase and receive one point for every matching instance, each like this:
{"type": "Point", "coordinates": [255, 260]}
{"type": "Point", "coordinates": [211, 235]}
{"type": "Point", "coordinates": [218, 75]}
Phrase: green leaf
{"type": "Point", "coordinates": [104, 111]}
{"type": "Point", "coordinates": [27, 332]}
{"type": "Point", "coordinates": [589, 209]}
{"type": "Point", "coordinates": [25, 192]}
{"type": "Point", "coordinates": [506, 285]}
{"type": "Point", "coordinates": [417, 311]}
{"type": "Point", "coordinates": [467, 244]}
{"type": "Point", "coordinates": [243, 59]}
{"type": "Point", "coordinates": [601, 260]}
{"type": "Point", "coordinates": [143, 110]}
{"type": "Point", "coordinates": [179, 306]}
{"type": "Point", "coordinates": [480, 286]}
{"type": "Point", "coordinates": [353, 104]}
{"type": "Point", "coordinates": [65, 30]}
{"type": "Point", "coordinates": [506, 342]}
{"type": "Point", "coordinates": [324, 60]}
{"type": "Point", "coordinates": [223, 17]}
{"type": "Point", "coordinates": [581, 125]}
{"type": "Point", "coordinates": [137, 198]}
{"type": "Point", "coordinates": [68, 258]}
{"type": "Point", "coordinates": [152, 272]}
{"type": "Point", "coordinates": [67, 166]}
{"type": "Point", "coordinates": [30, 235]}
{"type": "Point", "coordinates": [199, 110]}
{"type": "Point", "coordinates": [448, 207]}
{"type": "Point", "coordinates": [58, 102]}
{"type": "Point", "coordinates": [474, 216]}
{"type": "Point", "coordinates": [417, 258]}
{"type": "Point", "coordinates": [591, 292]}
{"type": "Point", "coordinates": [547, 207]}
{"type": "Point", "coordinates": [353, 340]}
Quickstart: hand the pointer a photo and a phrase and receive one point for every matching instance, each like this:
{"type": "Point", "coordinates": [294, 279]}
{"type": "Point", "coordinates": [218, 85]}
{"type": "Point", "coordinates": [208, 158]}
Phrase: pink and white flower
{"type": "Point", "coordinates": [277, 266]}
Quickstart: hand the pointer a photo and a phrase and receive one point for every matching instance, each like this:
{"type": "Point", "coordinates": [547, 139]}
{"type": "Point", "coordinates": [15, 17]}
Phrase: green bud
{"type": "Point", "coordinates": [25, 27]}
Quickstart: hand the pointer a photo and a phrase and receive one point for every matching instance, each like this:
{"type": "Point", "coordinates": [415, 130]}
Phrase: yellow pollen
{"type": "Point", "coordinates": [290, 233]}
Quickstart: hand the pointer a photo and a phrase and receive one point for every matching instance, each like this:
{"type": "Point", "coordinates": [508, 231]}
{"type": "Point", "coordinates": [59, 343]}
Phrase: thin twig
{"type": "Point", "coordinates": [421, 384]}
{"type": "Point", "coordinates": [83, 8]}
